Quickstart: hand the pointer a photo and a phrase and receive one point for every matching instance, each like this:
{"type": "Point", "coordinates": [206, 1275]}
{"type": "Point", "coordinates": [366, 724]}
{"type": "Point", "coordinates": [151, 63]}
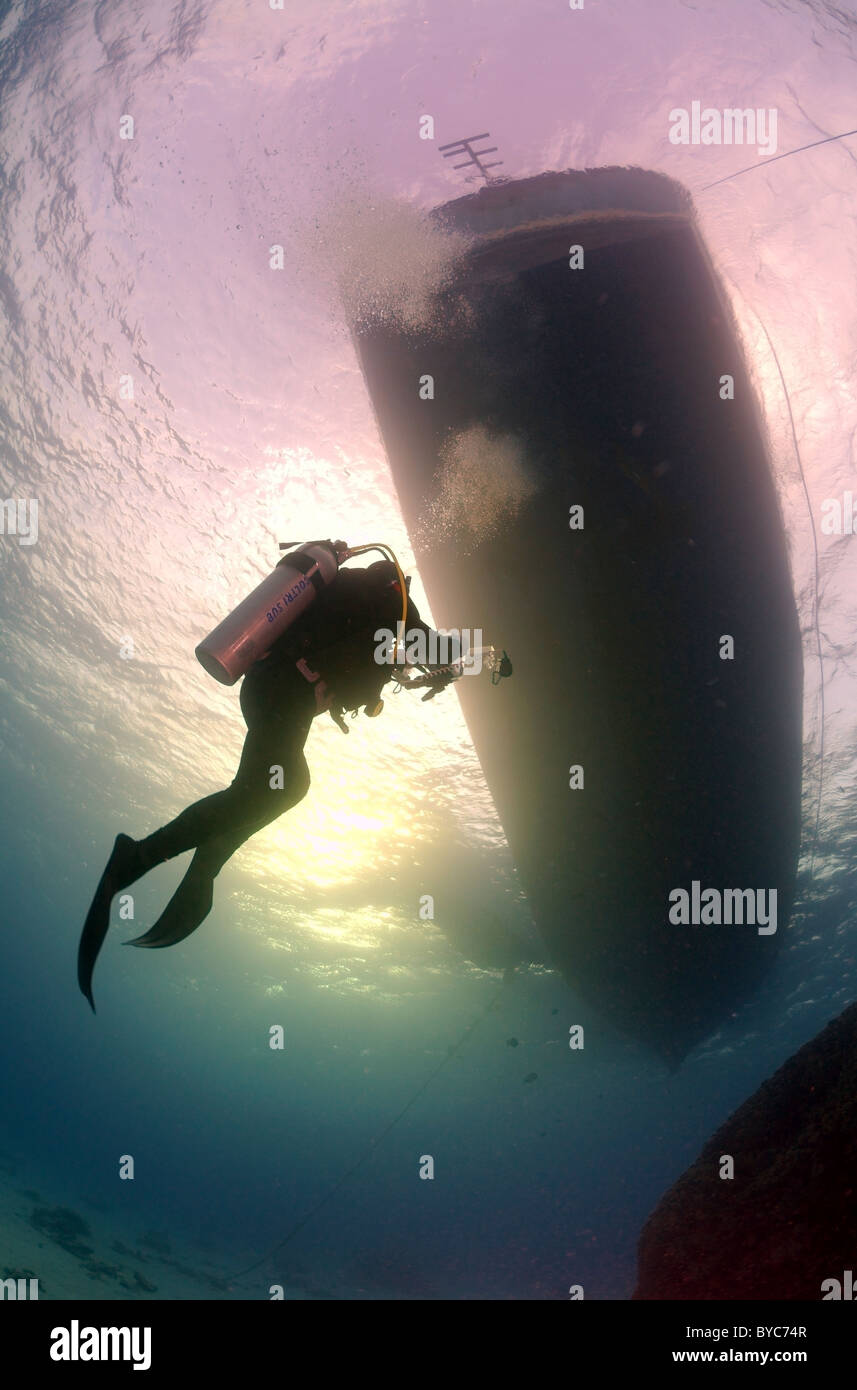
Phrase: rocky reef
{"type": "Point", "coordinates": [69, 1230]}
{"type": "Point", "coordinates": [785, 1225]}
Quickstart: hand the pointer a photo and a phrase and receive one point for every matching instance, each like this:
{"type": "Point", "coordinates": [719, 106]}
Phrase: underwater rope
{"type": "Point", "coordinates": [816, 601]}
{"type": "Point", "coordinates": [774, 157]}
{"type": "Point", "coordinates": [813, 144]}
{"type": "Point", "coordinates": [373, 1145]}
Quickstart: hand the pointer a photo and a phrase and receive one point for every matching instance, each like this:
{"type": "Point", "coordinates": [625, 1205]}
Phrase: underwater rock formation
{"type": "Point", "coordinates": [785, 1226]}
{"type": "Point", "coordinates": [65, 1228]}
{"type": "Point", "coordinates": [68, 1229]}
{"type": "Point", "coordinates": [157, 1241]}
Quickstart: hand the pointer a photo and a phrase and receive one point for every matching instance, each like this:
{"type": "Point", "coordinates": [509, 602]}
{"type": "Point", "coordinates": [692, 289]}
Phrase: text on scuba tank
{"type": "Point", "coordinates": [285, 599]}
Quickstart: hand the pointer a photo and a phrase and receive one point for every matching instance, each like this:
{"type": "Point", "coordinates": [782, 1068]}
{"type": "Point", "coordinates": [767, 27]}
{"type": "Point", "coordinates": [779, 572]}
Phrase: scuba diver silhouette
{"type": "Point", "coordinates": [325, 657]}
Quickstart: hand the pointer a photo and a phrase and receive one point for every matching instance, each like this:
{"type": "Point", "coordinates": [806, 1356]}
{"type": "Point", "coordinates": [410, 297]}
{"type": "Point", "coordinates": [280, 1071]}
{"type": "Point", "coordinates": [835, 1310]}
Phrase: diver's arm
{"type": "Point", "coordinates": [446, 667]}
{"type": "Point", "coordinates": [450, 646]}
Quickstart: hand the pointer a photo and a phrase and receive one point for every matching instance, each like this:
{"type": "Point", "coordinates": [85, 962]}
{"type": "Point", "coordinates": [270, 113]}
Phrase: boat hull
{"type": "Point", "coordinates": [535, 389]}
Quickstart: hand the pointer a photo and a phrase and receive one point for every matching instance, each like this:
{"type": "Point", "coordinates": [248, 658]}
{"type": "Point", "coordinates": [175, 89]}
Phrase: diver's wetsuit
{"type": "Point", "coordinates": [278, 714]}
{"type": "Point", "coordinates": [335, 639]}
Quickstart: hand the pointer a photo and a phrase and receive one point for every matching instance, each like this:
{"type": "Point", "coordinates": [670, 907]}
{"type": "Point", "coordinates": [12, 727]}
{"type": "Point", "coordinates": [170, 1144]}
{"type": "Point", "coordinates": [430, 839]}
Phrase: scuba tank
{"type": "Point", "coordinates": [253, 627]}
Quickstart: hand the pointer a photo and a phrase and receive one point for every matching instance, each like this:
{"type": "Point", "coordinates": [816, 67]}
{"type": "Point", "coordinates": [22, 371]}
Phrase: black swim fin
{"type": "Point", "coordinates": [187, 909]}
{"type": "Point", "coordinates": [124, 866]}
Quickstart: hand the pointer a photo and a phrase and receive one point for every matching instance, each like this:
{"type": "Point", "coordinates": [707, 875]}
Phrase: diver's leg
{"type": "Point", "coordinates": [131, 859]}
{"type": "Point", "coordinates": [199, 823]}
{"type": "Point", "coordinates": [254, 804]}
{"type": "Point", "coordinates": [268, 708]}
{"type": "Point", "coordinates": [278, 716]}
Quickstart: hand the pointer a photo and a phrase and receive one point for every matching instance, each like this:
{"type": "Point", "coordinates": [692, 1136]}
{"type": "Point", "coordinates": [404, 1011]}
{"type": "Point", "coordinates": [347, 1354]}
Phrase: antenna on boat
{"type": "Point", "coordinates": [474, 156]}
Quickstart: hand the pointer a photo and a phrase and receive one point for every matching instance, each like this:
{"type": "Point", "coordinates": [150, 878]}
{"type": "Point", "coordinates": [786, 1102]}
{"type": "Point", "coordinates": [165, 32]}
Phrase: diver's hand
{"type": "Point", "coordinates": [436, 683]}
{"type": "Point", "coordinates": [336, 712]}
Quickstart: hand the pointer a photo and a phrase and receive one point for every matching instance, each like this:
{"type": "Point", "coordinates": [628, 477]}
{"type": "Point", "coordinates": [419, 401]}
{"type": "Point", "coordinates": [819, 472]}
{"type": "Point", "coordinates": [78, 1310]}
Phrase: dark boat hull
{"type": "Point", "coordinates": [600, 387]}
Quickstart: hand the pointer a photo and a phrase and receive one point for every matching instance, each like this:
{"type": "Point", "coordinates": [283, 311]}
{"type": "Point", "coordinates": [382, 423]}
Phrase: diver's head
{"type": "Point", "coordinates": [384, 572]}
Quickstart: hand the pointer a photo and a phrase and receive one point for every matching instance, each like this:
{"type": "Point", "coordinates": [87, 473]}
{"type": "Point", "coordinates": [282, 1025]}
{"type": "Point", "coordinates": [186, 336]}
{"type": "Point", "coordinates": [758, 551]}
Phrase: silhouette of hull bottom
{"type": "Point", "coordinates": [600, 388]}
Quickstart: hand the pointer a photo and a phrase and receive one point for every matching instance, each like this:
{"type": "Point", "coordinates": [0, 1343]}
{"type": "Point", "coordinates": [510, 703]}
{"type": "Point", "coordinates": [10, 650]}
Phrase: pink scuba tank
{"type": "Point", "coordinates": [253, 627]}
